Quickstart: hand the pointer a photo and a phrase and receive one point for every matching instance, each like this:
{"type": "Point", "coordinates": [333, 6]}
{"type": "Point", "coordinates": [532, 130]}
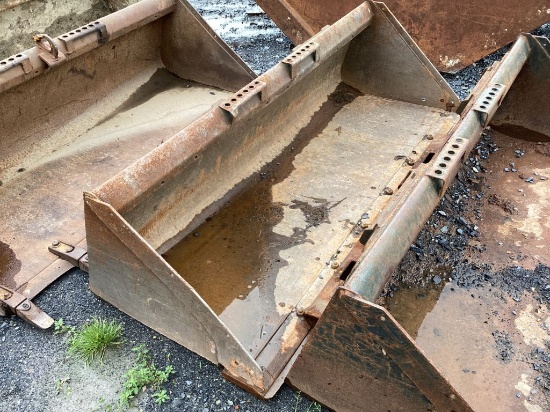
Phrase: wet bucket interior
{"type": "Point", "coordinates": [233, 225]}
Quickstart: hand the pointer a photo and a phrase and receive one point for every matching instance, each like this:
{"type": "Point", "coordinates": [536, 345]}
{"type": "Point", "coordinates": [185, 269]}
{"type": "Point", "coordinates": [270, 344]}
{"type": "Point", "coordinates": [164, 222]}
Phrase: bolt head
{"type": "Point", "coordinates": [55, 243]}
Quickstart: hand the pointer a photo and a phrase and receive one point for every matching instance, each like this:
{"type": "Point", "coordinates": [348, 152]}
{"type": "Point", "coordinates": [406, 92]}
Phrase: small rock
{"type": "Point", "coordinates": [188, 382]}
{"type": "Point", "coordinates": [444, 229]}
{"type": "Point", "coordinates": [437, 332]}
{"type": "Point", "coordinates": [530, 180]}
{"type": "Point", "coordinates": [437, 280]}
{"type": "Point", "coordinates": [518, 395]}
{"type": "Point", "coordinates": [442, 213]}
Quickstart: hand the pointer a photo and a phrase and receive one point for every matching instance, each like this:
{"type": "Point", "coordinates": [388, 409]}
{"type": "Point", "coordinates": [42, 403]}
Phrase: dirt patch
{"type": "Point", "coordinates": [504, 204]}
{"type": "Point", "coordinates": [543, 149]}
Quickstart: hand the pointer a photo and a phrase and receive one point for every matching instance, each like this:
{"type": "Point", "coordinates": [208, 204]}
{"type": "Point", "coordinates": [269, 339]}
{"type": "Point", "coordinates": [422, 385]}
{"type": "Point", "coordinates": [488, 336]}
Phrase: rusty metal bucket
{"type": "Point", "coordinates": [258, 236]}
{"type": "Point", "coordinates": [79, 108]}
{"type": "Point", "coordinates": [453, 34]}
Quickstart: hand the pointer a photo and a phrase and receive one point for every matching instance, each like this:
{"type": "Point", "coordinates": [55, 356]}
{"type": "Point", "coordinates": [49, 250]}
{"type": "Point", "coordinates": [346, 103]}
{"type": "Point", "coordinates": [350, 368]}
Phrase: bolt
{"type": "Point", "coordinates": [70, 249]}
{"type": "Point", "coordinates": [55, 243]}
{"type": "Point", "coordinates": [85, 258]}
{"type": "Point", "coordinates": [334, 265]}
{"type": "Point", "coordinates": [25, 306]}
{"type": "Point", "coordinates": [300, 311]}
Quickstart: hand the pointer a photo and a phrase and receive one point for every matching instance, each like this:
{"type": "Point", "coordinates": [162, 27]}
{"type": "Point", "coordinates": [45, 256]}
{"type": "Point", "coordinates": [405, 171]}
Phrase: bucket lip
{"type": "Point", "coordinates": [38, 60]}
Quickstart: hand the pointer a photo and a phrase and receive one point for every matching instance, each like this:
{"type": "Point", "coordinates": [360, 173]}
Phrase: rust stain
{"type": "Point", "coordinates": [9, 265]}
{"type": "Point", "coordinates": [452, 34]}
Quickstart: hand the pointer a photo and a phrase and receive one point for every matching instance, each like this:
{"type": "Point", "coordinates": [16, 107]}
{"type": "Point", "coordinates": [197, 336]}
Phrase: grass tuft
{"type": "Point", "coordinates": [92, 339]}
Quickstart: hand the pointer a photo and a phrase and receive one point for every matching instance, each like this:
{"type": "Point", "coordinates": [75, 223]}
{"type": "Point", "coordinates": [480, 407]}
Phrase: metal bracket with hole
{"type": "Point", "coordinates": [12, 302]}
{"type": "Point", "coordinates": [245, 100]}
{"type": "Point", "coordinates": [71, 38]}
{"type": "Point", "coordinates": [302, 58]}
{"type": "Point", "coordinates": [48, 51]}
{"type": "Point", "coordinates": [13, 61]}
{"type": "Point", "coordinates": [448, 161]}
{"type": "Point", "coordinates": [489, 101]}
{"type": "Point", "coordinates": [76, 256]}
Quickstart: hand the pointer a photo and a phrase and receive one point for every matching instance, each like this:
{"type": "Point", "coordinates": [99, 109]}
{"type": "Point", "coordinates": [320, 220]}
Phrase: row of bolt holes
{"type": "Point", "coordinates": [10, 59]}
{"type": "Point", "coordinates": [302, 50]}
{"type": "Point", "coordinates": [234, 99]}
{"type": "Point", "coordinates": [91, 25]}
{"type": "Point", "coordinates": [447, 158]}
{"type": "Point", "coordinates": [488, 98]}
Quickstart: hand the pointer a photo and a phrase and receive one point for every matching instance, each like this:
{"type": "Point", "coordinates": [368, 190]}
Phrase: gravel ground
{"type": "Point", "coordinates": [35, 372]}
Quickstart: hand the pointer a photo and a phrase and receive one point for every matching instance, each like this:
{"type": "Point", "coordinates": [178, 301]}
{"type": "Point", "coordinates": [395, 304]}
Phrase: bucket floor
{"type": "Point", "coordinates": [43, 201]}
{"type": "Point", "coordinates": [253, 261]}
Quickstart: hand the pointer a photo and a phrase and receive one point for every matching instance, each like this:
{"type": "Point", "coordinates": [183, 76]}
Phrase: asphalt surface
{"type": "Point", "coordinates": [36, 373]}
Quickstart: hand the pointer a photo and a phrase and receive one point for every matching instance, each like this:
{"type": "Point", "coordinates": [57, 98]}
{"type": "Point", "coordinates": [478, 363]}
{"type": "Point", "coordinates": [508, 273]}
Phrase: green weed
{"type": "Point", "coordinates": [60, 328]}
{"type": "Point", "coordinates": [92, 339]}
{"type": "Point", "coordinates": [314, 407]}
{"type": "Point", "coordinates": [144, 374]}
{"type": "Point", "coordinates": [161, 397]}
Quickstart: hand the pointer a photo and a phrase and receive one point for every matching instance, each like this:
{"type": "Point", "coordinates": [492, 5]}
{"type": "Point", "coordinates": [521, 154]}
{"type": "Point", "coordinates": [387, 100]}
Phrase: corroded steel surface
{"type": "Point", "coordinates": [358, 345]}
{"type": "Point", "coordinates": [78, 108]}
{"type": "Point", "coordinates": [298, 114]}
{"type": "Point", "coordinates": [453, 34]}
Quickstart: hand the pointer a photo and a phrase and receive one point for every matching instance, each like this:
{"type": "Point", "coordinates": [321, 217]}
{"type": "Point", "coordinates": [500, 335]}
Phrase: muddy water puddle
{"type": "Point", "coordinates": [410, 305]}
{"type": "Point", "coordinates": [233, 259]}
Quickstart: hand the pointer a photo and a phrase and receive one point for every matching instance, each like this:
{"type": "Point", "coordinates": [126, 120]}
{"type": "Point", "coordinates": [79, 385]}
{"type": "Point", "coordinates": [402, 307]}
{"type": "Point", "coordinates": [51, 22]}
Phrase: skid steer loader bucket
{"type": "Point", "coordinates": [259, 235]}
{"type": "Point", "coordinates": [453, 34]}
{"type": "Point", "coordinates": [81, 107]}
